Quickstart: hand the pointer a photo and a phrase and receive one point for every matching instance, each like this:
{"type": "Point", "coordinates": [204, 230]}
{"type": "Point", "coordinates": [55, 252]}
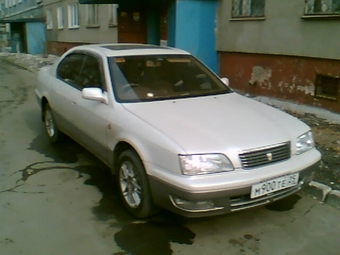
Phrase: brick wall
{"type": "Point", "coordinates": [282, 77]}
{"type": "Point", "coordinates": [59, 48]}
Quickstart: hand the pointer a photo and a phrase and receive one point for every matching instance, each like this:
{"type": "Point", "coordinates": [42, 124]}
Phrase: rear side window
{"type": "Point", "coordinates": [69, 69]}
{"type": "Point", "coordinates": [91, 74]}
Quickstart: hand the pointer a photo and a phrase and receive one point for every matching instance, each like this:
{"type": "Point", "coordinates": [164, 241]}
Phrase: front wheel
{"type": "Point", "coordinates": [50, 126]}
{"type": "Point", "coordinates": [133, 185]}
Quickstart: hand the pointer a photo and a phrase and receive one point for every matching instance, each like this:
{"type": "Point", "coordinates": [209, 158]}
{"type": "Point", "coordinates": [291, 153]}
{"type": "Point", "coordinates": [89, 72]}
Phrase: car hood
{"type": "Point", "coordinates": [218, 123]}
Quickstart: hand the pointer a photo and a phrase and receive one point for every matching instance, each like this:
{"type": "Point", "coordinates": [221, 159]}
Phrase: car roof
{"type": "Point", "coordinates": [130, 49]}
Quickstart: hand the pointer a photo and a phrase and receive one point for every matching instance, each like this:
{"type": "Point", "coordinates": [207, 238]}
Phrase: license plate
{"type": "Point", "coordinates": [269, 186]}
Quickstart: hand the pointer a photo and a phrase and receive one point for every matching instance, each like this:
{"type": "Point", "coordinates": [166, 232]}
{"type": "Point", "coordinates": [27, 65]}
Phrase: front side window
{"type": "Point", "coordinates": [69, 69]}
{"type": "Point", "coordinates": [322, 7]}
{"type": "Point", "coordinates": [92, 14]}
{"type": "Point", "coordinates": [161, 77]}
{"type": "Point", "coordinates": [73, 18]}
{"type": "Point", "coordinates": [248, 8]}
{"type": "Point", "coordinates": [91, 75]}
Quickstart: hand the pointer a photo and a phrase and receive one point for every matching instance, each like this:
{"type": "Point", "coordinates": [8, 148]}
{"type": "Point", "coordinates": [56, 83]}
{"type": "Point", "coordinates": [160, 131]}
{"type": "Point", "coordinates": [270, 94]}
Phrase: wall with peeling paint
{"type": "Point", "coordinates": [284, 31]}
{"type": "Point", "coordinates": [283, 77]}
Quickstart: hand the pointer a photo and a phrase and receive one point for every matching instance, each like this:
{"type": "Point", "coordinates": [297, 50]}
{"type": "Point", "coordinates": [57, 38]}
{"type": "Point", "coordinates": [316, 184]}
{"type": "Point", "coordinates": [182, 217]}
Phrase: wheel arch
{"type": "Point", "coordinates": [119, 148]}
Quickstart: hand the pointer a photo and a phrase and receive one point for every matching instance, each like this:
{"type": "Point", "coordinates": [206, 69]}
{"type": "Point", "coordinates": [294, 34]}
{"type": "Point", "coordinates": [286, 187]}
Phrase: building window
{"type": "Point", "coordinates": [322, 7]}
{"type": "Point", "coordinates": [73, 17]}
{"type": "Point", "coordinates": [92, 14]}
{"type": "Point", "coordinates": [60, 17]}
{"type": "Point", "coordinates": [327, 87]}
{"type": "Point", "coordinates": [49, 19]}
{"type": "Point", "coordinates": [113, 14]}
{"type": "Point", "coordinates": [19, 1]}
{"type": "Point", "coordinates": [248, 8]}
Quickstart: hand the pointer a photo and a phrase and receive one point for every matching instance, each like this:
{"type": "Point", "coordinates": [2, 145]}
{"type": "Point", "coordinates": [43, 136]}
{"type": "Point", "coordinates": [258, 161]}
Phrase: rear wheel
{"type": "Point", "coordinates": [50, 126]}
{"type": "Point", "coordinates": [133, 185]}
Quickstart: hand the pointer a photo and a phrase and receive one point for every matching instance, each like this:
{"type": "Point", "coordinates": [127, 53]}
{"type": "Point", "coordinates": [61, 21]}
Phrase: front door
{"type": "Point", "coordinates": [131, 26]}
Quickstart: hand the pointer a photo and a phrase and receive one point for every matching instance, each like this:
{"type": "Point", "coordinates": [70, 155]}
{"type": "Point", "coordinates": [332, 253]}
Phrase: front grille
{"type": "Point", "coordinates": [265, 156]}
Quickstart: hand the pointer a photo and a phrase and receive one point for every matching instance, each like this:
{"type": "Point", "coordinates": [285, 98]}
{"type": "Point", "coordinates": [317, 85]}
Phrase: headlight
{"type": "Point", "coordinates": [304, 143]}
{"type": "Point", "coordinates": [205, 164]}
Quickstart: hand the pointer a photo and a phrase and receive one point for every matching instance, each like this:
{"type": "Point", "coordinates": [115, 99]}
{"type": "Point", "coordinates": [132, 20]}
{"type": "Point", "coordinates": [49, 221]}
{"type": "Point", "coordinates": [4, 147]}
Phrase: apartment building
{"type": "Point", "coordinates": [186, 24]}
{"type": "Point", "coordinates": [69, 23]}
{"type": "Point", "coordinates": [25, 22]}
{"type": "Point", "coordinates": [284, 49]}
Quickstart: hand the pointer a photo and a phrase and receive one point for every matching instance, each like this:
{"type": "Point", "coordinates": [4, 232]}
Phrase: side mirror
{"type": "Point", "coordinates": [225, 80]}
{"type": "Point", "coordinates": [94, 94]}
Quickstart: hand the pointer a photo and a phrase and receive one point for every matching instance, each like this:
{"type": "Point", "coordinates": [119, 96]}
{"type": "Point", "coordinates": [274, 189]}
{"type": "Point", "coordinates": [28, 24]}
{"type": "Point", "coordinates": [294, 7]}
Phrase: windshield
{"type": "Point", "coordinates": [160, 77]}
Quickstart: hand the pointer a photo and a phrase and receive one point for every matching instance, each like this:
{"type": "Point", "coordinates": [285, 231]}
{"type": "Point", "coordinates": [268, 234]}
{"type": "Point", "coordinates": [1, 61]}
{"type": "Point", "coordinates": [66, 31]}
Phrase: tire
{"type": "Point", "coordinates": [50, 125]}
{"type": "Point", "coordinates": [133, 185]}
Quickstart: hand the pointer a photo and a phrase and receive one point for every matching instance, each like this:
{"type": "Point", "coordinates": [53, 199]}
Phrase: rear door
{"type": "Point", "coordinates": [66, 89]}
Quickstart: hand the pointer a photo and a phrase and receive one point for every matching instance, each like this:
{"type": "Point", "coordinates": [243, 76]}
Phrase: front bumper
{"type": "Point", "coordinates": [168, 196]}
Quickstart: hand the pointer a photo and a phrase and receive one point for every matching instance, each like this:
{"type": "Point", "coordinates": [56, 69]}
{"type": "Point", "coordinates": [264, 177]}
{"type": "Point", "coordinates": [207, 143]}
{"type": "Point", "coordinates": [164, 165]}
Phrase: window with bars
{"type": "Point", "coordinates": [248, 8]}
{"type": "Point", "coordinates": [327, 87]}
{"type": "Point", "coordinates": [73, 16]}
{"type": "Point", "coordinates": [49, 19]}
{"type": "Point", "coordinates": [60, 17]}
{"type": "Point", "coordinates": [323, 7]}
{"type": "Point", "coordinates": [92, 14]}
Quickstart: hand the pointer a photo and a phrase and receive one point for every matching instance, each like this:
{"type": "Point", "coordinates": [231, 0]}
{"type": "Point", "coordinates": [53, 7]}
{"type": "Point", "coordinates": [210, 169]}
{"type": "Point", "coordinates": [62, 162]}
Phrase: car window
{"type": "Point", "coordinates": [161, 77]}
{"type": "Point", "coordinates": [91, 74]}
{"type": "Point", "coordinates": [69, 69]}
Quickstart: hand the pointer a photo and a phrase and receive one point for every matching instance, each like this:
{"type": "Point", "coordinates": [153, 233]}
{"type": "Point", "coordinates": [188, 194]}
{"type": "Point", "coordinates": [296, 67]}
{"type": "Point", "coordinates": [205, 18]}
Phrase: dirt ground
{"type": "Point", "coordinates": [327, 138]}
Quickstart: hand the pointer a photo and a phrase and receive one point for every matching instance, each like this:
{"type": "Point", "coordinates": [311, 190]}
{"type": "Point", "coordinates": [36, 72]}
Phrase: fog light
{"type": "Point", "coordinates": [193, 206]}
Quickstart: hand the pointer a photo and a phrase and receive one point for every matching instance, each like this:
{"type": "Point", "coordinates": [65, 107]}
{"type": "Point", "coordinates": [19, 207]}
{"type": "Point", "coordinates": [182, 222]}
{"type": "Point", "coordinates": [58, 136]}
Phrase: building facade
{"type": "Point", "coordinates": [283, 49]}
{"type": "Point", "coordinates": [186, 24]}
{"type": "Point", "coordinates": [69, 23]}
{"type": "Point", "coordinates": [26, 25]}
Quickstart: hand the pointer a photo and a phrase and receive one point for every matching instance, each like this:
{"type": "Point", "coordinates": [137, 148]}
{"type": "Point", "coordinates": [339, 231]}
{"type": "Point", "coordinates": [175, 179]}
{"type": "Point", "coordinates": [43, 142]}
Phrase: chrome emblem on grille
{"type": "Point", "coordinates": [269, 156]}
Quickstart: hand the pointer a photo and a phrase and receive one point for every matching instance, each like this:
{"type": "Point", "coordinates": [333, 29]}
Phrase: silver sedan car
{"type": "Point", "coordinates": [174, 133]}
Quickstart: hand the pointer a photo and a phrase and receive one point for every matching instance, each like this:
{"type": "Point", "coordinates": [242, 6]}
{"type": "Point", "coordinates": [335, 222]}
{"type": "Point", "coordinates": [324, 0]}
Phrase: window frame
{"type": "Point", "coordinates": [321, 81]}
{"type": "Point", "coordinates": [239, 12]}
{"type": "Point", "coordinates": [88, 55]}
{"type": "Point", "coordinates": [73, 15]}
{"type": "Point", "coordinates": [333, 8]}
{"type": "Point", "coordinates": [76, 71]}
{"type": "Point", "coordinates": [83, 58]}
{"type": "Point", "coordinates": [49, 19]}
{"type": "Point", "coordinates": [60, 17]}
{"type": "Point", "coordinates": [113, 15]}
{"type": "Point", "coordinates": [92, 15]}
